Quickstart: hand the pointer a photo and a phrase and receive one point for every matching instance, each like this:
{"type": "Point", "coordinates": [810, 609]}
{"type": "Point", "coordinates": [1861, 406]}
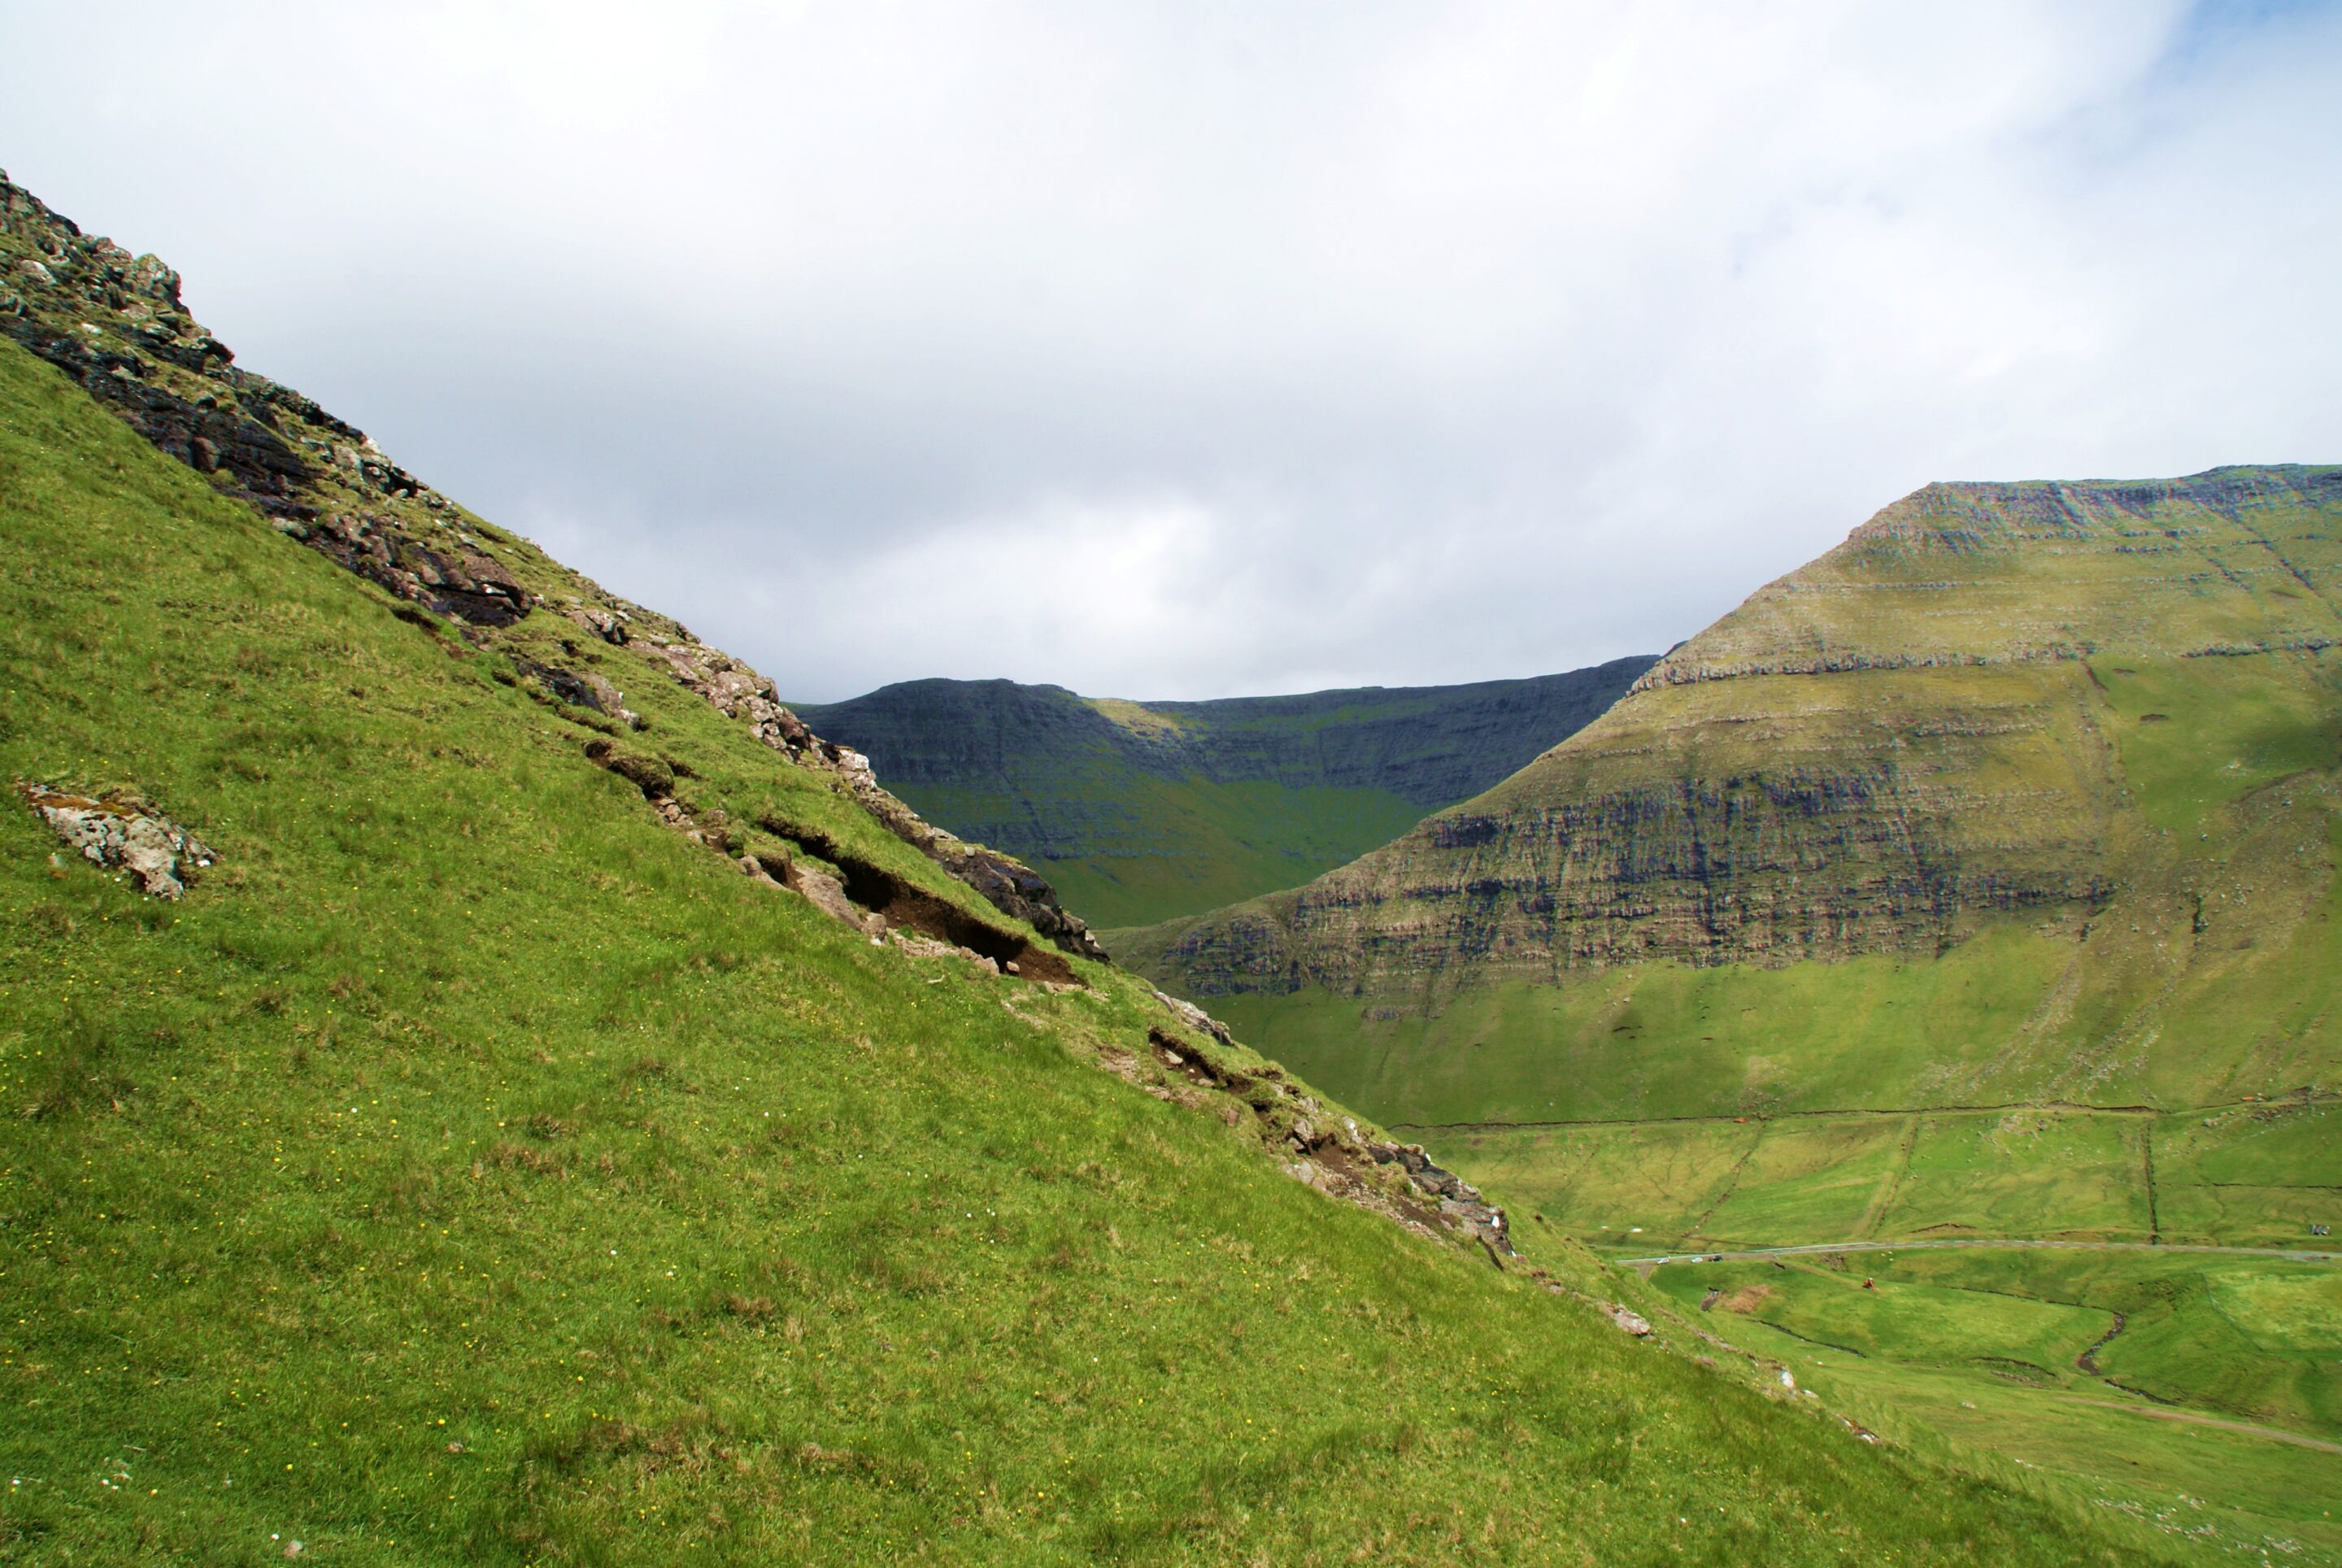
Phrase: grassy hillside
{"type": "Point", "coordinates": [1974, 882]}
{"type": "Point", "coordinates": [477, 1165]}
{"type": "Point", "coordinates": [1145, 811]}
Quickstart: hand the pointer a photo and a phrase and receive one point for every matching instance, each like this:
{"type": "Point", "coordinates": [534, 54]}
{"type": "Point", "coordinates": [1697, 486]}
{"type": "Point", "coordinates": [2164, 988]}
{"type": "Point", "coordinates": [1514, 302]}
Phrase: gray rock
{"type": "Point", "coordinates": [116, 831]}
{"type": "Point", "coordinates": [825, 893]}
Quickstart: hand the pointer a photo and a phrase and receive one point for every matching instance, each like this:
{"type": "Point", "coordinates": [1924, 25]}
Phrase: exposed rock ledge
{"type": "Point", "coordinates": [739, 692]}
{"type": "Point", "coordinates": [1667, 673]}
{"type": "Point", "coordinates": [1321, 1148]}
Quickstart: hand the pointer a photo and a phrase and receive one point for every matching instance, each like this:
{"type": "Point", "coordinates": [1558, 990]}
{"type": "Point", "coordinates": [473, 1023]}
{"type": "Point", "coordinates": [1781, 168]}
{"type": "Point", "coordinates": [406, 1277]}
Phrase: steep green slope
{"type": "Point", "coordinates": [1144, 812]}
{"type": "Point", "coordinates": [478, 1166]}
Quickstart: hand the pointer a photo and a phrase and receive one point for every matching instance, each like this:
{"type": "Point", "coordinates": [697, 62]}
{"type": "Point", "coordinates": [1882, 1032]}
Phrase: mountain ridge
{"type": "Point", "coordinates": [1140, 808]}
{"type": "Point", "coordinates": [1838, 816]}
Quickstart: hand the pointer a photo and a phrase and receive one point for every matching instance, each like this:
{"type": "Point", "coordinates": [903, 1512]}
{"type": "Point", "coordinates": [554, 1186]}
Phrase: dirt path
{"type": "Point", "coordinates": [1812, 1249]}
{"type": "Point", "coordinates": [2189, 1418]}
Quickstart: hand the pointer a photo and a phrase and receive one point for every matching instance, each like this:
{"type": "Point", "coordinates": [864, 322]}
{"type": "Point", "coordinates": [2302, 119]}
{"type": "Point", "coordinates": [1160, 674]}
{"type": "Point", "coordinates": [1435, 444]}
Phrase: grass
{"type": "Point", "coordinates": [1670, 1040]}
{"type": "Point", "coordinates": [473, 1169]}
{"type": "Point", "coordinates": [1816, 1177]}
{"type": "Point", "coordinates": [2195, 735]}
{"type": "Point", "coordinates": [1656, 1179]}
{"type": "Point", "coordinates": [2024, 1173]}
{"type": "Point", "coordinates": [2259, 1174]}
{"type": "Point", "coordinates": [1982, 1348]}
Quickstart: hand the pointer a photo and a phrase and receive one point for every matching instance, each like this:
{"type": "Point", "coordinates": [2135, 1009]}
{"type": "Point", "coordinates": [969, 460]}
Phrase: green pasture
{"type": "Point", "coordinates": [1813, 1177]}
{"type": "Point", "coordinates": [2040, 1174]}
{"type": "Point", "coordinates": [2246, 1339]}
{"type": "Point", "coordinates": [1862, 1310]}
{"type": "Point", "coordinates": [2259, 1174]}
{"type": "Point", "coordinates": [1978, 1350]}
{"type": "Point", "coordinates": [2049, 1173]}
{"type": "Point", "coordinates": [1610, 1185]}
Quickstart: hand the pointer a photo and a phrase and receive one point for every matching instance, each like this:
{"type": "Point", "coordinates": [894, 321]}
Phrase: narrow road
{"type": "Point", "coordinates": [2190, 1418]}
{"type": "Point", "coordinates": [1815, 1249]}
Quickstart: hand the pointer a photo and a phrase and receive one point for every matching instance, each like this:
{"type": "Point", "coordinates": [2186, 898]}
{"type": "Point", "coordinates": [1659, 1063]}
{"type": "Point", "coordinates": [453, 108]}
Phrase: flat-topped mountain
{"type": "Point", "coordinates": [1141, 812]}
{"type": "Point", "coordinates": [1993, 701]}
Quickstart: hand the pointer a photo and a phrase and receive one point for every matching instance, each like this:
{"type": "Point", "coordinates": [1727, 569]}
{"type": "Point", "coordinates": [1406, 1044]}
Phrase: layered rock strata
{"type": "Point", "coordinates": [1147, 809]}
{"type": "Point", "coordinates": [1870, 755]}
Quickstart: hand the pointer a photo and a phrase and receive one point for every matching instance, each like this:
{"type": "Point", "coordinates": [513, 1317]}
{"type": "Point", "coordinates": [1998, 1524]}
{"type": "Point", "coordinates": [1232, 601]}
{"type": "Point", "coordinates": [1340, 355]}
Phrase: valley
{"type": "Point", "coordinates": [2198, 1389]}
{"type": "Point", "coordinates": [491, 1076]}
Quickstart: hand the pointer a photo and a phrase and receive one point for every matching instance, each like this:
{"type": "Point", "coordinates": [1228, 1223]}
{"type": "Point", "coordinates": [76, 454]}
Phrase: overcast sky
{"type": "Point", "coordinates": [1195, 350]}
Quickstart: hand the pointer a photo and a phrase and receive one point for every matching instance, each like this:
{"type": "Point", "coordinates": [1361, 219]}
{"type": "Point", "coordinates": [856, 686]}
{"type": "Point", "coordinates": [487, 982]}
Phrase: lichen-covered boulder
{"type": "Point", "coordinates": [122, 831]}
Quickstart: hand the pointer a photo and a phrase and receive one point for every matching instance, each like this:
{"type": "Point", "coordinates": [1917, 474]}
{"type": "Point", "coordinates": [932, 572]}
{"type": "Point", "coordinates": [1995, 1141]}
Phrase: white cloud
{"type": "Point", "coordinates": [1182, 350]}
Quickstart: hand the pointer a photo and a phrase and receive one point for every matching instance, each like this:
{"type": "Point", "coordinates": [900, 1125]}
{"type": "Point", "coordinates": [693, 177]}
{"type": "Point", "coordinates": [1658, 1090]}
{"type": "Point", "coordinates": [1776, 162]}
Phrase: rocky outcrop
{"type": "Point", "coordinates": [1322, 1147]}
{"type": "Point", "coordinates": [1629, 1321]}
{"type": "Point", "coordinates": [124, 831]}
{"type": "Point", "coordinates": [1461, 1204]}
{"type": "Point", "coordinates": [1012, 887]}
{"type": "Point", "coordinates": [849, 887]}
{"type": "Point", "coordinates": [114, 322]}
{"type": "Point", "coordinates": [583, 688]}
{"type": "Point", "coordinates": [1195, 1017]}
{"type": "Point", "coordinates": [452, 578]}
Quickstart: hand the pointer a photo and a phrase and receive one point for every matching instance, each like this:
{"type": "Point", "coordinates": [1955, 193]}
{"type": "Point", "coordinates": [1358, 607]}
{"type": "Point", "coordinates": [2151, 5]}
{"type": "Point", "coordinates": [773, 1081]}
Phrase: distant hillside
{"type": "Point", "coordinates": [1144, 812]}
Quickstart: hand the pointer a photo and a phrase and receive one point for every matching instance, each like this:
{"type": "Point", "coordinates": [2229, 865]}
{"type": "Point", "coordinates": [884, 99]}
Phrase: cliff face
{"type": "Point", "coordinates": [1149, 810]}
{"type": "Point", "coordinates": [1870, 755]}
